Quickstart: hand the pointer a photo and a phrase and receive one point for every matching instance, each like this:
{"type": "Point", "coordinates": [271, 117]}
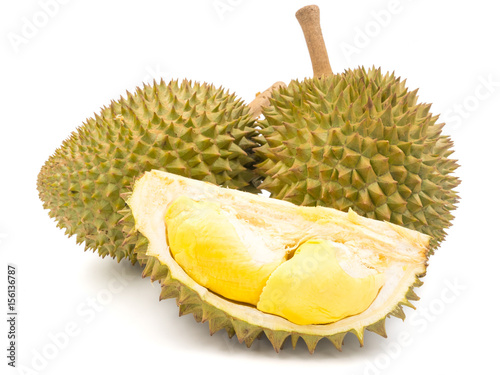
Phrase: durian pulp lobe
{"type": "Point", "coordinates": [204, 241]}
{"type": "Point", "coordinates": [313, 288]}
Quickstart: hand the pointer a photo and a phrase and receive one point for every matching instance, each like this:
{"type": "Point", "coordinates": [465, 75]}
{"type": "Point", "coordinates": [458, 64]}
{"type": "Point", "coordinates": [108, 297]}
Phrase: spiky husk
{"type": "Point", "coordinates": [359, 140]}
{"type": "Point", "coordinates": [191, 129]}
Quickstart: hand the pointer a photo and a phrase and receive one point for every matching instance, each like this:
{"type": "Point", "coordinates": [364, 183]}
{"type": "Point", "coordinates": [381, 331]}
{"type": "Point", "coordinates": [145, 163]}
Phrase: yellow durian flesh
{"type": "Point", "coordinates": [310, 288]}
{"type": "Point", "coordinates": [203, 240]}
{"type": "Point", "coordinates": [313, 288]}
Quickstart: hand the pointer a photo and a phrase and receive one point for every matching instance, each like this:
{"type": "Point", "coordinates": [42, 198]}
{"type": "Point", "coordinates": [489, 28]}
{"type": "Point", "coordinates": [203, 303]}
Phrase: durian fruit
{"type": "Point", "coordinates": [192, 129]}
{"type": "Point", "coordinates": [357, 140]}
{"type": "Point", "coordinates": [314, 288]}
{"type": "Point", "coordinates": [318, 272]}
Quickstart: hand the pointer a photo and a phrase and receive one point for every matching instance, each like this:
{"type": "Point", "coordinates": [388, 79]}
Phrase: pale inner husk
{"type": "Point", "coordinates": [398, 252]}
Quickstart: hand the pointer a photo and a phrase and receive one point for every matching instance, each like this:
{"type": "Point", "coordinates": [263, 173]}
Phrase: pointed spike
{"type": "Point", "coordinates": [378, 328]}
{"type": "Point", "coordinates": [359, 333]}
{"type": "Point", "coordinates": [230, 331]}
{"type": "Point", "coordinates": [277, 338]}
{"type": "Point", "coordinates": [187, 296]}
{"type": "Point", "coordinates": [418, 283]}
{"type": "Point", "coordinates": [246, 332]}
{"type": "Point", "coordinates": [211, 312]}
{"type": "Point", "coordinates": [294, 338]}
{"type": "Point", "coordinates": [216, 324]}
{"type": "Point", "coordinates": [148, 268]}
{"type": "Point", "coordinates": [405, 302]}
{"type": "Point", "coordinates": [311, 341]}
{"type": "Point", "coordinates": [159, 271]}
{"type": "Point", "coordinates": [398, 312]}
{"type": "Point", "coordinates": [169, 291]}
{"type": "Point", "coordinates": [411, 295]}
{"type": "Point", "coordinates": [337, 340]}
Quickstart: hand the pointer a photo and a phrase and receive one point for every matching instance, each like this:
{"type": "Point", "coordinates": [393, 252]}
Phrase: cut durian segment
{"type": "Point", "coordinates": [313, 288]}
{"type": "Point", "coordinates": [399, 254]}
{"type": "Point", "coordinates": [217, 251]}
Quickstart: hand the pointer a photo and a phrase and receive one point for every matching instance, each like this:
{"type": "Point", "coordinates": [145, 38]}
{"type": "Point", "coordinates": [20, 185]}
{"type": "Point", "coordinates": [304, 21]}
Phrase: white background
{"type": "Point", "coordinates": [85, 53]}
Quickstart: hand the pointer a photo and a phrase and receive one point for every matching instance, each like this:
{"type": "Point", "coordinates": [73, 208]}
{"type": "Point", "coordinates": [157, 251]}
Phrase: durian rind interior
{"type": "Point", "coordinates": [399, 253]}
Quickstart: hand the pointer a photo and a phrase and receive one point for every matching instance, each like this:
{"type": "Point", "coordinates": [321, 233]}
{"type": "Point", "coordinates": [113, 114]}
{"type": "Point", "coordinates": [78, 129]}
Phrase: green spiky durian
{"type": "Point", "coordinates": [359, 140]}
{"type": "Point", "coordinates": [194, 130]}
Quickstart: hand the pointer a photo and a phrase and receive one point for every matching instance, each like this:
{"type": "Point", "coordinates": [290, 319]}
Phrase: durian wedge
{"type": "Point", "coordinates": [370, 266]}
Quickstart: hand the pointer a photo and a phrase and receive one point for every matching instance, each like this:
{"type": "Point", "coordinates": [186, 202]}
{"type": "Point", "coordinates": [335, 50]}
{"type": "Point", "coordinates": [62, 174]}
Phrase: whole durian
{"type": "Point", "coordinates": [194, 130]}
{"type": "Point", "coordinates": [357, 140]}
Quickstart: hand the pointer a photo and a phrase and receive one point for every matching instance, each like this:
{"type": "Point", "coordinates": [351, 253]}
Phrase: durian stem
{"type": "Point", "coordinates": [262, 99]}
{"type": "Point", "coordinates": [308, 18]}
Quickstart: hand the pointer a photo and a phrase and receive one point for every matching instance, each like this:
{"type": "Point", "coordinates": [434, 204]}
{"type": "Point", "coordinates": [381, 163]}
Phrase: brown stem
{"type": "Point", "coordinates": [262, 99]}
{"type": "Point", "coordinates": [308, 18]}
